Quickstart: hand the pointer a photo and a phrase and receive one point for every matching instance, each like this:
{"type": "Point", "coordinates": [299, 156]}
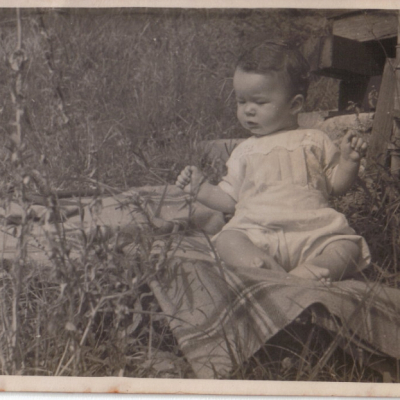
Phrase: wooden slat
{"type": "Point", "coordinates": [368, 25]}
{"type": "Point", "coordinates": [395, 160]}
{"type": "Point", "coordinates": [383, 121]}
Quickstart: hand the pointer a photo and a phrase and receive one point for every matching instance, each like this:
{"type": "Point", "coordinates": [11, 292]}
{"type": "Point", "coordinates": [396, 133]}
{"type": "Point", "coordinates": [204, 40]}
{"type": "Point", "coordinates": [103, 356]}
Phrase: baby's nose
{"type": "Point", "coordinates": [249, 110]}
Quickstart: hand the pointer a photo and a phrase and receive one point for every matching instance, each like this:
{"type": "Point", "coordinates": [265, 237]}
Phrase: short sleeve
{"type": "Point", "coordinates": [232, 182]}
{"type": "Point", "coordinates": [331, 157]}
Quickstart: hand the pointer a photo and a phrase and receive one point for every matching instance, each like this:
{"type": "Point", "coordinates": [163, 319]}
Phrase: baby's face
{"type": "Point", "coordinates": [263, 103]}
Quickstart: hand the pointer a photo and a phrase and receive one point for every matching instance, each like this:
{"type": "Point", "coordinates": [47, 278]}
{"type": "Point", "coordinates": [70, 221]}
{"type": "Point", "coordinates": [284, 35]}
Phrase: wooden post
{"type": "Point", "coordinates": [395, 145]}
{"type": "Point", "coordinates": [382, 127]}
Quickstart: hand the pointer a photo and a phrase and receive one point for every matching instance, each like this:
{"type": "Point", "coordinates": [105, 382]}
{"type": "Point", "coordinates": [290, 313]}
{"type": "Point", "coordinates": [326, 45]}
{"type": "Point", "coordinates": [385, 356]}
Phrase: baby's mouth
{"type": "Point", "coordinates": [252, 125]}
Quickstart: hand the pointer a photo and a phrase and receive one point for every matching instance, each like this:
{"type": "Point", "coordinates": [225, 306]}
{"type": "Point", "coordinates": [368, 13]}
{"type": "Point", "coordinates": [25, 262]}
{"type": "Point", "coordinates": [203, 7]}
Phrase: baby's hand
{"type": "Point", "coordinates": [353, 147]}
{"type": "Point", "coordinates": [190, 179]}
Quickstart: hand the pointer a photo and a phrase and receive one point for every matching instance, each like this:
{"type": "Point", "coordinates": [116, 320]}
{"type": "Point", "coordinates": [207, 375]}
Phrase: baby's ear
{"type": "Point", "coordinates": [297, 104]}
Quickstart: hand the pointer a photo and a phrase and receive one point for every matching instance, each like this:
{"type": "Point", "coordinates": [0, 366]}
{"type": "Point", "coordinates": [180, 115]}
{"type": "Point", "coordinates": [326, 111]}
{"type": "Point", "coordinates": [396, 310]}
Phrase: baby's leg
{"type": "Point", "coordinates": [237, 250]}
{"type": "Point", "coordinates": [337, 261]}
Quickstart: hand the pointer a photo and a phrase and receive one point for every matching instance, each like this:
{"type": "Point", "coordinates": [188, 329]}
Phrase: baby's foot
{"type": "Point", "coordinates": [258, 263]}
{"type": "Point", "coordinates": [309, 271]}
{"type": "Point", "coordinates": [268, 263]}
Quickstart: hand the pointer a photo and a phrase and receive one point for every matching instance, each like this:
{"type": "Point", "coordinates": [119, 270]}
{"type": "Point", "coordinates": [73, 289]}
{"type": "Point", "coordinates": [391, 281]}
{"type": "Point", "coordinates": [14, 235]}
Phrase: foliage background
{"type": "Point", "coordinates": [100, 84]}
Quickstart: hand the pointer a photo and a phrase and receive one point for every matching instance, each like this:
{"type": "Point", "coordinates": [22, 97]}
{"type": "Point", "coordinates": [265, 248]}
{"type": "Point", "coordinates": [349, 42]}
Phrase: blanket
{"type": "Point", "coordinates": [219, 315]}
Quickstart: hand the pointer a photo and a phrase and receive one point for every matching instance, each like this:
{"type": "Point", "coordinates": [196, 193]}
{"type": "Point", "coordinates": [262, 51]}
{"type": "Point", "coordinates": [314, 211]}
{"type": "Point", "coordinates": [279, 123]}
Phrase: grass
{"type": "Point", "coordinates": [118, 98]}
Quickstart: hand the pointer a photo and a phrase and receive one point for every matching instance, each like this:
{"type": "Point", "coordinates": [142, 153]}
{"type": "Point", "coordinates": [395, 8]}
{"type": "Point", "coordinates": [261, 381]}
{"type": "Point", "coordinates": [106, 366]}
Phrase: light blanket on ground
{"type": "Point", "coordinates": [220, 316]}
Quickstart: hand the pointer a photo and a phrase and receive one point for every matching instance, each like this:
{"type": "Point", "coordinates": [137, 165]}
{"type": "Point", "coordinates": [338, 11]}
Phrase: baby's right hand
{"type": "Point", "coordinates": [190, 179]}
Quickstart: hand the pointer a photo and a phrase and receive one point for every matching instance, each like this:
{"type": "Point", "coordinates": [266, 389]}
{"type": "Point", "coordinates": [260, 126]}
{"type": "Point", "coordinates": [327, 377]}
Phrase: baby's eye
{"type": "Point", "coordinates": [240, 101]}
{"type": "Point", "coordinates": [261, 102]}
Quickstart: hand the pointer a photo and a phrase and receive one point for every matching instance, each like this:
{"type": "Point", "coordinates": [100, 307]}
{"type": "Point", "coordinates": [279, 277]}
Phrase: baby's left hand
{"type": "Point", "coordinates": [353, 147]}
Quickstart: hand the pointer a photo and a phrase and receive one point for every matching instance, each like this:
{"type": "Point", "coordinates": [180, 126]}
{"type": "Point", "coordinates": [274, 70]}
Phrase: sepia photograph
{"type": "Point", "coordinates": [200, 200]}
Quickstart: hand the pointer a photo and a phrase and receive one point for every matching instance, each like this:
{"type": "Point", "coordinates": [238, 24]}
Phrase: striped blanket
{"type": "Point", "coordinates": [221, 316]}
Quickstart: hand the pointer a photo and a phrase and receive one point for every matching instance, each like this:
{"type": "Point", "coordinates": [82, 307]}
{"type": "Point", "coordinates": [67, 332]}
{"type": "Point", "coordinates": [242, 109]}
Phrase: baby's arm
{"type": "Point", "coordinates": [191, 180]}
{"type": "Point", "coordinates": [352, 149]}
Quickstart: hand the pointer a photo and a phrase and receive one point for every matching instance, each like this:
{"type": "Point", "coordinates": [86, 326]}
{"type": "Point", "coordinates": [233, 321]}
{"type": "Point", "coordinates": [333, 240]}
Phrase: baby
{"type": "Point", "coordinates": [279, 180]}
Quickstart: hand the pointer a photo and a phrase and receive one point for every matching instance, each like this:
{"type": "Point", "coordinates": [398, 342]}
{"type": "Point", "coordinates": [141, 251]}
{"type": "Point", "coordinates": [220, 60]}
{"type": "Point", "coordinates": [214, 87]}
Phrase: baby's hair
{"type": "Point", "coordinates": [281, 57]}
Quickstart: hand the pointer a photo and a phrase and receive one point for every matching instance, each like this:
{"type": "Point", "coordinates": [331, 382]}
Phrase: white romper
{"type": "Point", "coordinates": [281, 184]}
